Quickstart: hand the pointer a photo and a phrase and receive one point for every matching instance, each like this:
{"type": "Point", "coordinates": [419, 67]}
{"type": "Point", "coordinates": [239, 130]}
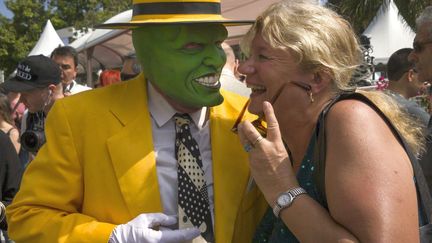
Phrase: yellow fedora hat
{"type": "Point", "coordinates": [146, 12]}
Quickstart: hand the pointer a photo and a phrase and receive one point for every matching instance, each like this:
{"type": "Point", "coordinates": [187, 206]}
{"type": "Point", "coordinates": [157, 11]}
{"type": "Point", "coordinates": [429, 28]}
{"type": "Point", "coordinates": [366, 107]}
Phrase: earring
{"type": "Point", "coordinates": [311, 96]}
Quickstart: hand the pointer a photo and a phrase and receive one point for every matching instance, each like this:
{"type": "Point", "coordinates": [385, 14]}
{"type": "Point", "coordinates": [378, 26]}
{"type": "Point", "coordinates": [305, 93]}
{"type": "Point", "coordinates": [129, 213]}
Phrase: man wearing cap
{"type": "Point", "coordinates": [152, 159]}
{"type": "Point", "coordinates": [38, 80]}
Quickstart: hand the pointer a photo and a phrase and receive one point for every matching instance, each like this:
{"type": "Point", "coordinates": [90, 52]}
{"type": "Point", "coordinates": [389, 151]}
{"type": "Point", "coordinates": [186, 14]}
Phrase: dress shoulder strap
{"type": "Point", "coordinates": [320, 152]}
{"type": "Point", "coordinates": [10, 130]}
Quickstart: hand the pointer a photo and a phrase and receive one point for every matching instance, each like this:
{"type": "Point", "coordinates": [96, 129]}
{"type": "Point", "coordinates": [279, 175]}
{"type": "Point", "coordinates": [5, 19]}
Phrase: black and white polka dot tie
{"type": "Point", "coordinates": [193, 201]}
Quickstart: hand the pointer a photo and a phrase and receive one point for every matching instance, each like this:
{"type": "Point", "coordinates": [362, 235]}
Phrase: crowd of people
{"type": "Point", "coordinates": [184, 143]}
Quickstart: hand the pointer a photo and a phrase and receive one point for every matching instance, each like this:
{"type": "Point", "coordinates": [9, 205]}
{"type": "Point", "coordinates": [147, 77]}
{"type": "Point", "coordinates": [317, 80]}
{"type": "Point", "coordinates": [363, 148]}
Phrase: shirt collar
{"type": "Point", "coordinates": [70, 86]}
{"type": "Point", "coordinates": [162, 111]}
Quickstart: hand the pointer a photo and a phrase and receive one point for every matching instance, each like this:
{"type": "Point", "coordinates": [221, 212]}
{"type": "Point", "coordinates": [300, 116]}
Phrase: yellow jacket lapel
{"type": "Point", "coordinates": [131, 150]}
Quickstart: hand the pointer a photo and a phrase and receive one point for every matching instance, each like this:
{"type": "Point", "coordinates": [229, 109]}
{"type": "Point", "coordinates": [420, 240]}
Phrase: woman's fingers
{"type": "Point", "coordinates": [249, 136]}
{"type": "Point", "coordinates": [273, 132]}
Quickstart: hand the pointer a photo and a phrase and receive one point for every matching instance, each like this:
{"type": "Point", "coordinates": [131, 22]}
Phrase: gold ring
{"type": "Point", "coordinates": [257, 140]}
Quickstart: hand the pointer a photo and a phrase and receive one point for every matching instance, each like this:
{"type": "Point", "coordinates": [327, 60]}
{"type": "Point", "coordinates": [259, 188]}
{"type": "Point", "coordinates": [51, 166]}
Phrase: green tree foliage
{"type": "Point", "coordinates": [84, 14]}
{"type": "Point", "coordinates": [19, 34]}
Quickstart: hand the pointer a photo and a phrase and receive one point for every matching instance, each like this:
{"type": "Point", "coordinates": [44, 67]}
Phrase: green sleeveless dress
{"type": "Point", "coordinates": [272, 229]}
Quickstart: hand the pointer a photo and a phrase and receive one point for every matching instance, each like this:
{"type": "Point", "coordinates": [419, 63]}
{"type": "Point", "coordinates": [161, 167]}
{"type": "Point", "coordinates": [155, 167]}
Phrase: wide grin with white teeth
{"type": "Point", "coordinates": [209, 81]}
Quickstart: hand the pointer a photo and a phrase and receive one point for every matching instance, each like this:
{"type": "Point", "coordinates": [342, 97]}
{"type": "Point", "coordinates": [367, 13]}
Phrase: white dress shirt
{"type": "Point", "coordinates": [75, 87]}
{"type": "Point", "coordinates": [163, 131]}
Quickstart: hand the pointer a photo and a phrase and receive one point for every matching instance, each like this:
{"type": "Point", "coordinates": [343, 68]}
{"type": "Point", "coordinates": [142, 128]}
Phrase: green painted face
{"type": "Point", "coordinates": [183, 61]}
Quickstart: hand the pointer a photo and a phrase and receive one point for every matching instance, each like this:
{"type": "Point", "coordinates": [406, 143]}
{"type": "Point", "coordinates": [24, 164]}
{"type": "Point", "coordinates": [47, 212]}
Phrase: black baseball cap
{"type": "Point", "coordinates": [33, 72]}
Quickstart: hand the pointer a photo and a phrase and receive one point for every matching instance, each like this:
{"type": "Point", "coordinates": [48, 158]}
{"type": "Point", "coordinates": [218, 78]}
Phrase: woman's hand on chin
{"type": "Point", "coordinates": [269, 162]}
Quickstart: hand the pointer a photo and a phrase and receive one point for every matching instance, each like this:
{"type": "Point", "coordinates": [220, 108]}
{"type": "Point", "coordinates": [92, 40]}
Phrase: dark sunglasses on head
{"type": "Point", "coordinates": [419, 46]}
{"type": "Point", "coordinates": [259, 123]}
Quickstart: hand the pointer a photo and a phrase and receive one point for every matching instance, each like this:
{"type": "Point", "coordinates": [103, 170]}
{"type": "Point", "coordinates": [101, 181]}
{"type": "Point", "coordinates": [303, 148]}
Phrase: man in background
{"type": "Point", "coordinates": [404, 84]}
{"type": "Point", "coordinates": [67, 59]}
{"type": "Point", "coordinates": [422, 58]}
{"type": "Point", "coordinates": [131, 67]}
{"type": "Point", "coordinates": [228, 79]}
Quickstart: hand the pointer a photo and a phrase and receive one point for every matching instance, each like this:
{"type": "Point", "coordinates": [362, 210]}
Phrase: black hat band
{"type": "Point", "coordinates": [176, 8]}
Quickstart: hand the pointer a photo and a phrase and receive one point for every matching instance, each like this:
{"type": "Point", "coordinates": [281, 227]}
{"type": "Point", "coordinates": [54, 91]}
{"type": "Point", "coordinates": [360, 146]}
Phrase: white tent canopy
{"type": "Point", "coordinates": [388, 33]}
{"type": "Point", "coordinates": [48, 41]}
{"type": "Point", "coordinates": [106, 48]}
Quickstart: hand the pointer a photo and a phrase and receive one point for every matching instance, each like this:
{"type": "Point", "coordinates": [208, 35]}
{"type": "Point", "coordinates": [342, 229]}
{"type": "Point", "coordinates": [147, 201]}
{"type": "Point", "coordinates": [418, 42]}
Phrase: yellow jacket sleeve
{"type": "Point", "coordinates": [47, 207]}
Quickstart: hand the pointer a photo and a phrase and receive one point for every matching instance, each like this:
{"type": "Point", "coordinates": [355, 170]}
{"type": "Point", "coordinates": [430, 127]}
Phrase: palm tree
{"type": "Point", "coordinates": [361, 12]}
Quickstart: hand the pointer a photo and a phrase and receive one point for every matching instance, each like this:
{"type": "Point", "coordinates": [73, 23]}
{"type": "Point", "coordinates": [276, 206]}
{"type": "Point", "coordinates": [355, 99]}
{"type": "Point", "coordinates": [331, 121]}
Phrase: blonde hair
{"type": "Point", "coordinates": [412, 130]}
{"type": "Point", "coordinates": [321, 40]}
{"type": "Point", "coordinates": [318, 38]}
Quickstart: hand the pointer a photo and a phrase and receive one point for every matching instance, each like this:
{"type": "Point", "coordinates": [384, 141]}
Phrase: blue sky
{"type": "Point", "coordinates": [4, 11]}
{"type": "Point", "coordinates": [322, 2]}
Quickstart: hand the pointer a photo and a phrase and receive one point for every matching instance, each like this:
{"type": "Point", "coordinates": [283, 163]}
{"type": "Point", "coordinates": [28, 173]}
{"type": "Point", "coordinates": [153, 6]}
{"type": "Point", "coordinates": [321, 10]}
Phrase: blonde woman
{"type": "Point", "coordinates": [301, 57]}
{"type": "Point", "coordinates": [7, 123]}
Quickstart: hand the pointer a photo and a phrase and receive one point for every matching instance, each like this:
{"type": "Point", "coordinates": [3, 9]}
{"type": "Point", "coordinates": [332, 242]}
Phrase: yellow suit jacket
{"type": "Point", "coordinates": [98, 170]}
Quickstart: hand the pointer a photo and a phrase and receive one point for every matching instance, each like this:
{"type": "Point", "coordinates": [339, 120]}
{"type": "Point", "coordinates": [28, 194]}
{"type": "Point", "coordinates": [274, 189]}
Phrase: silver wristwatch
{"type": "Point", "coordinates": [285, 199]}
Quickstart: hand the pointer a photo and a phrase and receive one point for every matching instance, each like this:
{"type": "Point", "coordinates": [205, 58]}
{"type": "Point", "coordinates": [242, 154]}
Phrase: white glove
{"type": "Point", "coordinates": [140, 229]}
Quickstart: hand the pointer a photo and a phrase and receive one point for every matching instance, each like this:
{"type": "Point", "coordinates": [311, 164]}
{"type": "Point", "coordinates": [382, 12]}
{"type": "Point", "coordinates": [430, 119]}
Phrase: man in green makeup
{"type": "Point", "coordinates": [112, 171]}
{"type": "Point", "coordinates": [185, 64]}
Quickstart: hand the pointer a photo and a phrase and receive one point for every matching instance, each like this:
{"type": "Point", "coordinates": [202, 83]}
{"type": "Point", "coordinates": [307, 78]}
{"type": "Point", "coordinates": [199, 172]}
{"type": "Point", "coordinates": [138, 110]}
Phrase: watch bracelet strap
{"type": "Point", "coordinates": [294, 193]}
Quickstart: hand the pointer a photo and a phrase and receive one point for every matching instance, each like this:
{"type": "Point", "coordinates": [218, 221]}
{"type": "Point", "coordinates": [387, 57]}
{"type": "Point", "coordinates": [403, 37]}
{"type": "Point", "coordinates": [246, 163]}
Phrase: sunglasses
{"type": "Point", "coordinates": [419, 46]}
{"type": "Point", "coordinates": [259, 123]}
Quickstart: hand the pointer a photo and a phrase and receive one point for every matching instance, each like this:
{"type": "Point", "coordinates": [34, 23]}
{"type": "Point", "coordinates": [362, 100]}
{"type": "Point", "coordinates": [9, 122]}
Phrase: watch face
{"type": "Point", "coordinates": [284, 199]}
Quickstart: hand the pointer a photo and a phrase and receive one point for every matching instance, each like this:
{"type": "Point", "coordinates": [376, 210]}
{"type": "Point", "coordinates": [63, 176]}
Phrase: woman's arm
{"type": "Point", "coordinates": [365, 194]}
{"type": "Point", "coordinates": [10, 175]}
{"type": "Point", "coordinates": [369, 179]}
{"type": "Point", "coordinates": [14, 136]}
{"type": "Point", "coordinates": [273, 173]}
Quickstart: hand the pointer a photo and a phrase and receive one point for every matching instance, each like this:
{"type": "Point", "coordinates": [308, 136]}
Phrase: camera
{"type": "Point", "coordinates": [32, 140]}
{"type": "Point", "coordinates": [34, 137]}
